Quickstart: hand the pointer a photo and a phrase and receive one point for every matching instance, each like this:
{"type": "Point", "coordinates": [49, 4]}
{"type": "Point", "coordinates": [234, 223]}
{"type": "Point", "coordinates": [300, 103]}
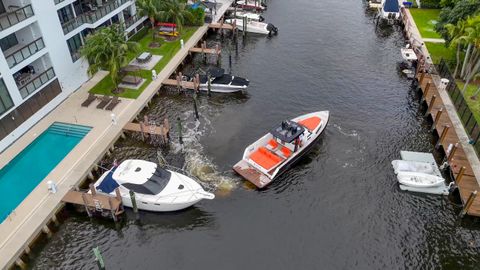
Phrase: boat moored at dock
{"type": "Point", "coordinates": [275, 152]}
{"type": "Point", "coordinates": [253, 26]}
{"type": "Point", "coordinates": [156, 189]}
{"type": "Point", "coordinates": [220, 82]}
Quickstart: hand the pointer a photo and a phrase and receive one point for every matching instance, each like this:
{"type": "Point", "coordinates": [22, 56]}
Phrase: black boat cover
{"type": "Point", "coordinates": [288, 131]}
{"type": "Point", "coordinates": [216, 72]}
{"type": "Point", "coordinates": [391, 6]}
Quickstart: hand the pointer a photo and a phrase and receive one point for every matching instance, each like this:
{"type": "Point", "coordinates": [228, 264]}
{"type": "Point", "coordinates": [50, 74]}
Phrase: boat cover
{"type": "Point", "coordinates": [288, 131]}
{"type": "Point", "coordinates": [108, 184]}
{"type": "Point", "coordinates": [216, 72]}
{"type": "Point", "coordinates": [391, 6]}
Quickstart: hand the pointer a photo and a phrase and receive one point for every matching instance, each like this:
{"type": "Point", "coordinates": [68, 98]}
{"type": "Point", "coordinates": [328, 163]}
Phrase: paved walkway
{"type": "Point", "coordinates": [29, 217]}
{"type": "Point", "coordinates": [434, 40]}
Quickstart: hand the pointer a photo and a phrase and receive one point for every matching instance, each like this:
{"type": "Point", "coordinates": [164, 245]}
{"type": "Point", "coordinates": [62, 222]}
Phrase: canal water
{"type": "Point", "coordinates": [339, 208]}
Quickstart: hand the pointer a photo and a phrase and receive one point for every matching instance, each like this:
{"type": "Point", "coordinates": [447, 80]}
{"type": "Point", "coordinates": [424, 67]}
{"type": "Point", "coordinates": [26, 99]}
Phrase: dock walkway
{"type": "Point", "coordinates": [447, 127]}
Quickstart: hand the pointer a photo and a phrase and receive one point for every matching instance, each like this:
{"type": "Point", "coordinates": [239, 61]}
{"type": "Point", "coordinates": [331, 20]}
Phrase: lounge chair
{"type": "Point", "coordinates": [91, 97]}
{"type": "Point", "coordinates": [103, 102]}
{"type": "Point", "coordinates": [131, 80]}
{"type": "Point", "coordinates": [113, 104]}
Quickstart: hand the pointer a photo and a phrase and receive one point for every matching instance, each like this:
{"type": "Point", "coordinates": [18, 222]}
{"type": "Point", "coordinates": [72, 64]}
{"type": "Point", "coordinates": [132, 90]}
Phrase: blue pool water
{"type": "Point", "coordinates": [21, 175]}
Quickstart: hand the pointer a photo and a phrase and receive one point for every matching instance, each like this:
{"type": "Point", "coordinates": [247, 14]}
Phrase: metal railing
{"type": "Point", "coordinates": [11, 18]}
{"type": "Point", "coordinates": [37, 82]}
{"type": "Point", "coordinates": [131, 20]}
{"type": "Point", "coordinates": [463, 110]}
{"type": "Point", "coordinates": [93, 16]}
{"type": "Point", "coordinates": [23, 53]}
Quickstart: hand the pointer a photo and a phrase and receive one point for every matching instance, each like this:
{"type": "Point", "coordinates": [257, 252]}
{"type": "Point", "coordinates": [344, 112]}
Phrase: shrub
{"type": "Point", "coordinates": [430, 3]}
{"type": "Point", "coordinates": [198, 17]}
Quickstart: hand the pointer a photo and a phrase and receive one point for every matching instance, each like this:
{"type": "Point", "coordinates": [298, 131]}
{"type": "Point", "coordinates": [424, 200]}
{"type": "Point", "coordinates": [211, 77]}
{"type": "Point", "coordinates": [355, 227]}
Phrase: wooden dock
{"type": "Point", "coordinates": [182, 84]}
{"type": "Point", "coordinates": [221, 26]}
{"type": "Point", "coordinates": [205, 50]}
{"type": "Point", "coordinates": [448, 138]}
{"type": "Point", "coordinates": [94, 202]}
{"type": "Point", "coordinates": [148, 129]}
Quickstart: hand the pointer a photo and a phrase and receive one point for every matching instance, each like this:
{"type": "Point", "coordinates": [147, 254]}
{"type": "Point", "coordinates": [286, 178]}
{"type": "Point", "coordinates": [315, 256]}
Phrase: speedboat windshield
{"type": "Point", "coordinates": [154, 185]}
{"type": "Point", "coordinates": [288, 131]}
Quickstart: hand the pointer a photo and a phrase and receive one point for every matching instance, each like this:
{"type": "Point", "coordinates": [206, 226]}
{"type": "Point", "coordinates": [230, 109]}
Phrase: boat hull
{"type": "Point", "coordinates": [419, 180]}
{"type": "Point", "coordinates": [221, 88]}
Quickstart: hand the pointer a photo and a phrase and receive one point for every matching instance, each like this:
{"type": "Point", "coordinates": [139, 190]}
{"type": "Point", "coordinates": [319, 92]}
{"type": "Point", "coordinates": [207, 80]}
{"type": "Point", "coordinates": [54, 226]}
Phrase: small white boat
{"type": "Point", "coordinates": [250, 16]}
{"type": "Point", "coordinates": [276, 151]}
{"type": "Point", "coordinates": [249, 4]}
{"type": "Point", "coordinates": [412, 166]}
{"type": "Point", "coordinates": [156, 189]}
{"type": "Point", "coordinates": [420, 180]}
{"type": "Point", "coordinates": [255, 26]}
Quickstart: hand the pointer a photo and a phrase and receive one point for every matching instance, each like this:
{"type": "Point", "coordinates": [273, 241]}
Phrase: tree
{"type": "Point", "coordinates": [458, 39]}
{"type": "Point", "coordinates": [461, 10]}
{"type": "Point", "coordinates": [174, 11]}
{"type": "Point", "coordinates": [148, 8]}
{"type": "Point", "coordinates": [107, 49]}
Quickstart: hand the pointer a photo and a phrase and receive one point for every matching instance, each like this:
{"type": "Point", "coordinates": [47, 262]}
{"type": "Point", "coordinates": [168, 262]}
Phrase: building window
{"type": "Point", "coordinates": [5, 99]}
{"type": "Point", "coordinates": [8, 42]}
{"type": "Point", "coordinates": [74, 44]}
{"type": "Point", "coordinates": [65, 14]}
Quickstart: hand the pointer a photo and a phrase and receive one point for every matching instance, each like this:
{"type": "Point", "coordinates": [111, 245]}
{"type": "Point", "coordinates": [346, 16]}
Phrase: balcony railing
{"type": "Point", "coordinates": [58, 1]}
{"type": "Point", "coordinates": [93, 16]}
{"type": "Point", "coordinates": [16, 16]}
{"type": "Point", "coordinates": [37, 82]}
{"type": "Point", "coordinates": [131, 20]}
{"type": "Point", "coordinates": [23, 53]}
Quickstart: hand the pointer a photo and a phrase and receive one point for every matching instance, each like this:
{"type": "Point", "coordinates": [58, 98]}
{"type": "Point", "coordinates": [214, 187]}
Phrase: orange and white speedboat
{"type": "Point", "coordinates": [275, 152]}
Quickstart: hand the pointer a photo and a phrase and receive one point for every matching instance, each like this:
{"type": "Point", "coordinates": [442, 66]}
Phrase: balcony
{"type": "Point", "coordinates": [35, 82]}
{"type": "Point", "coordinates": [11, 18]}
{"type": "Point", "coordinates": [19, 55]}
{"type": "Point", "coordinates": [92, 16]}
{"type": "Point", "coordinates": [58, 1]}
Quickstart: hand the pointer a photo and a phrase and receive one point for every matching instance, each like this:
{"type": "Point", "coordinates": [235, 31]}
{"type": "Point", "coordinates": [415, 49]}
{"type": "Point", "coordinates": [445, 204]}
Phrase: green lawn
{"type": "Point", "coordinates": [473, 104]}
{"type": "Point", "coordinates": [167, 50]}
{"type": "Point", "coordinates": [425, 19]}
{"type": "Point", "coordinates": [438, 51]}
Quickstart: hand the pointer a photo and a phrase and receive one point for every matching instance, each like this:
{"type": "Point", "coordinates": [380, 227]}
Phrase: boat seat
{"type": "Point", "coordinates": [311, 123]}
{"type": "Point", "coordinates": [266, 159]}
{"type": "Point", "coordinates": [272, 144]}
{"type": "Point", "coordinates": [286, 152]}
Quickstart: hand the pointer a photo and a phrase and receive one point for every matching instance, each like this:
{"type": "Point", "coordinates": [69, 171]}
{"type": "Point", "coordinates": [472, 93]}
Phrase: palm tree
{"type": "Point", "coordinates": [107, 49]}
{"type": "Point", "coordinates": [472, 67]}
{"type": "Point", "coordinates": [458, 39]}
{"type": "Point", "coordinates": [174, 11]}
{"type": "Point", "coordinates": [148, 8]}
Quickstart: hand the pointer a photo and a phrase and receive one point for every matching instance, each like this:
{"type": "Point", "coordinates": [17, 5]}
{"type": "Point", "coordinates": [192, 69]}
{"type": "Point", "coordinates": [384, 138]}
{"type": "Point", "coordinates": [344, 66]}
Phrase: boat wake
{"type": "Point", "coordinates": [196, 162]}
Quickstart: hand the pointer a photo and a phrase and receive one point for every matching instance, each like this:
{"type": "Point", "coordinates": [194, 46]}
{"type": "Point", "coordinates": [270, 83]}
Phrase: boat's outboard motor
{"type": "Point", "coordinates": [261, 18]}
{"type": "Point", "coordinates": [271, 28]}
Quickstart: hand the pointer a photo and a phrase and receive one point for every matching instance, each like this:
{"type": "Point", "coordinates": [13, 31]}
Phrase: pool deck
{"type": "Point", "coordinates": [29, 218]}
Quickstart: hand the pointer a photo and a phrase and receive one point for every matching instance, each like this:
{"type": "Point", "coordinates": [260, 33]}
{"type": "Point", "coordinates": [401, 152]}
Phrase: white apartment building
{"type": "Point", "coordinates": [40, 63]}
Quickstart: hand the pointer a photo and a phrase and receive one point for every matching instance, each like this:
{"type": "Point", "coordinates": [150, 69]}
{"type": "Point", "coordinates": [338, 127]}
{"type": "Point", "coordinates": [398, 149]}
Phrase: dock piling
{"type": "Point", "coordinates": [47, 231]}
{"type": "Point", "coordinates": [425, 93]}
{"type": "Point", "coordinates": [244, 26]}
{"type": "Point", "coordinates": [85, 203]}
{"type": "Point", "coordinates": [21, 264]}
{"type": "Point", "coordinates": [179, 128]}
{"type": "Point", "coordinates": [195, 105]}
{"type": "Point", "coordinates": [442, 136]}
{"type": "Point", "coordinates": [452, 152]}
{"type": "Point", "coordinates": [420, 81]}
{"type": "Point", "coordinates": [437, 118]}
{"type": "Point", "coordinates": [469, 203]}
{"type": "Point", "coordinates": [209, 85]}
{"type": "Point", "coordinates": [430, 106]}
{"type": "Point", "coordinates": [460, 174]}
{"type": "Point", "coordinates": [134, 203]}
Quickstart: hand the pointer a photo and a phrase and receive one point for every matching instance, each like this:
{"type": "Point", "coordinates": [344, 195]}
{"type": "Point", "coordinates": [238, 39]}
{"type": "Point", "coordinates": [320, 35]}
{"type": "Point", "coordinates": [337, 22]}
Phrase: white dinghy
{"type": "Point", "coordinates": [250, 16]}
{"type": "Point", "coordinates": [412, 166]}
{"type": "Point", "coordinates": [156, 189]}
{"type": "Point", "coordinates": [419, 180]}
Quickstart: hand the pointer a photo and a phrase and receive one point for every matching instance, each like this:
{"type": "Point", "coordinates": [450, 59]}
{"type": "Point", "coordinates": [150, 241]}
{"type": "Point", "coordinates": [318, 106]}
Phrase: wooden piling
{"type": "Point", "coordinates": [179, 129]}
{"type": "Point", "coordinates": [437, 118]}
{"type": "Point", "coordinates": [460, 174]}
{"type": "Point", "coordinates": [425, 93]}
{"type": "Point", "coordinates": [195, 105]}
{"type": "Point", "coordinates": [90, 176]}
{"type": "Point", "coordinates": [468, 203]}
{"type": "Point", "coordinates": [112, 209]}
{"type": "Point", "coordinates": [452, 152]}
{"type": "Point", "coordinates": [55, 220]}
{"type": "Point", "coordinates": [85, 202]}
{"type": "Point", "coordinates": [421, 78]}
{"type": "Point", "coordinates": [47, 231]}
{"type": "Point", "coordinates": [92, 189]}
{"type": "Point", "coordinates": [142, 130]}
{"type": "Point", "coordinates": [20, 263]}
{"type": "Point", "coordinates": [134, 202]}
{"type": "Point", "coordinates": [244, 27]}
{"type": "Point", "coordinates": [442, 136]}
{"type": "Point", "coordinates": [430, 106]}
{"type": "Point", "coordinates": [209, 85]}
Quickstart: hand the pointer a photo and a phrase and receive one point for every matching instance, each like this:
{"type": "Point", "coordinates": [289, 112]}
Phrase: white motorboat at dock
{"type": "Point", "coordinates": [254, 26]}
{"type": "Point", "coordinates": [156, 189]}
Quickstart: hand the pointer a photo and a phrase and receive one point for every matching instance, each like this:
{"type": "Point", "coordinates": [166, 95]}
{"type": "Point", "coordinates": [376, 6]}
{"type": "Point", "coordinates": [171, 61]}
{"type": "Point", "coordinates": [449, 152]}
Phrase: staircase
{"type": "Point", "coordinates": [69, 129]}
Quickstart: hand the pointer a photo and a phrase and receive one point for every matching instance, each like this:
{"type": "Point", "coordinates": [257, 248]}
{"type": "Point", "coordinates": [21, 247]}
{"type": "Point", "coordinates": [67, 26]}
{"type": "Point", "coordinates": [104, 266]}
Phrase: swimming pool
{"type": "Point", "coordinates": [23, 173]}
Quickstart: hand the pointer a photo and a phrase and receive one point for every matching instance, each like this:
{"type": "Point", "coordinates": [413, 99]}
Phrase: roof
{"type": "Point", "coordinates": [391, 6]}
{"type": "Point", "coordinates": [288, 131]}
